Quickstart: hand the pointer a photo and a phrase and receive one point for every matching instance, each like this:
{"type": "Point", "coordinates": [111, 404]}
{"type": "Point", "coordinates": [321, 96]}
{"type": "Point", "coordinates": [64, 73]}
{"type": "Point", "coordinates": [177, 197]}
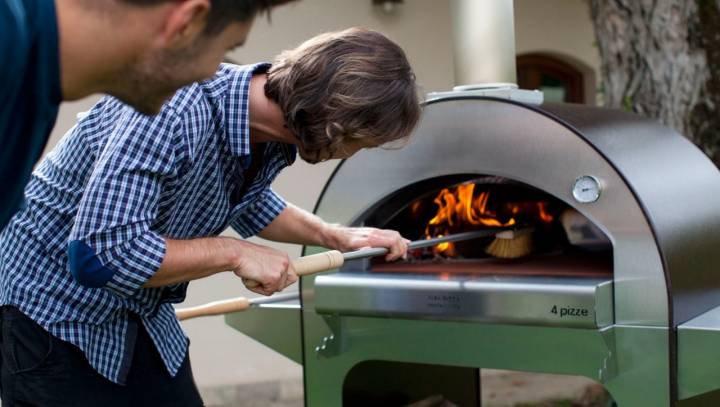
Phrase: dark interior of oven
{"type": "Point", "coordinates": [560, 240]}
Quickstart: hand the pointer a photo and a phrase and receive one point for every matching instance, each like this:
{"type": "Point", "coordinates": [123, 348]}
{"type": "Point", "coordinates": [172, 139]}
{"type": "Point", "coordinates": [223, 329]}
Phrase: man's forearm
{"type": "Point", "coordinates": [187, 260]}
{"type": "Point", "coordinates": [296, 225]}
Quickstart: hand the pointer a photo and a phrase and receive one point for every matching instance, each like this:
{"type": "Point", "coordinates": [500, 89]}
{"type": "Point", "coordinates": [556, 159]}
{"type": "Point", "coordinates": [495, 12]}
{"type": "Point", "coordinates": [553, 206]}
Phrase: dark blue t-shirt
{"type": "Point", "coordinates": [29, 93]}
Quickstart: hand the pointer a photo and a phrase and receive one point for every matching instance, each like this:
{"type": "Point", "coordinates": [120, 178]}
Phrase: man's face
{"type": "Point", "coordinates": [154, 78]}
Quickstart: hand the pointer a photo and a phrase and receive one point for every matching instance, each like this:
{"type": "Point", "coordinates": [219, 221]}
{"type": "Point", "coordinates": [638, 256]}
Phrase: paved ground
{"type": "Point", "coordinates": [275, 394]}
{"type": "Point", "coordinates": [500, 389]}
{"type": "Point", "coordinates": [514, 389]}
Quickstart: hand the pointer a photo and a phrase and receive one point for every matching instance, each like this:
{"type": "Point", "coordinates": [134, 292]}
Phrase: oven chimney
{"type": "Point", "coordinates": [483, 42]}
{"type": "Point", "coordinates": [484, 51]}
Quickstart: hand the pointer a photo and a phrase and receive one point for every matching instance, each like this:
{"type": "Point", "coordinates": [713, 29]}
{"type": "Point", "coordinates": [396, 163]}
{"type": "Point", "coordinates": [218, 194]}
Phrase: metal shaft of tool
{"type": "Point", "coordinates": [418, 244]}
{"type": "Point", "coordinates": [282, 297]}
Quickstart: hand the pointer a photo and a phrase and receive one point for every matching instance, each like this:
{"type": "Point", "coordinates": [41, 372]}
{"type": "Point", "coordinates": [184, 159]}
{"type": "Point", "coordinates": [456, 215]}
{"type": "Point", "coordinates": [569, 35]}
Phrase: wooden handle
{"type": "Point", "coordinates": [303, 266]}
{"type": "Point", "coordinates": [214, 308]}
{"type": "Point", "coordinates": [316, 263]}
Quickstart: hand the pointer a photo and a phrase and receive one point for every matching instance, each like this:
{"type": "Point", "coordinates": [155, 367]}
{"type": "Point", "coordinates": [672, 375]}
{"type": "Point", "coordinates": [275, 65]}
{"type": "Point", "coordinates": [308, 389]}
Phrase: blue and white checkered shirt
{"type": "Point", "coordinates": [74, 259]}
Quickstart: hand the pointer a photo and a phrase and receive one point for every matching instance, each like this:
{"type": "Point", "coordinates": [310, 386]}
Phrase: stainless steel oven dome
{"type": "Point", "coordinates": [654, 196]}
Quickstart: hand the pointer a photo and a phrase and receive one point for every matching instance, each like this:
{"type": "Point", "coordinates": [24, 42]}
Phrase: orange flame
{"type": "Point", "coordinates": [459, 207]}
{"type": "Point", "coordinates": [543, 213]}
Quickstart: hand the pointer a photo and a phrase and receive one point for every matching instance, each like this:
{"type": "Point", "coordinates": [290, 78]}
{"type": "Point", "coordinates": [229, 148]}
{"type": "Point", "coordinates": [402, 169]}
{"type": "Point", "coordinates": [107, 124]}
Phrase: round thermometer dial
{"type": "Point", "coordinates": [586, 189]}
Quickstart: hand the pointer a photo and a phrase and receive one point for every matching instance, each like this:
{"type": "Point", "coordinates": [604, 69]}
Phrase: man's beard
{"type": "Point", "coordinates": [149, 83]}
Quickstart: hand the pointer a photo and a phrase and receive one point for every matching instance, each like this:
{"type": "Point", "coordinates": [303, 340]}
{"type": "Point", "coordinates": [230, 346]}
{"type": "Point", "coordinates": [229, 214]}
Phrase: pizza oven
{"type": "Point", "coordinates": [617, 278]}
{"type": "Point", "coordinates": [621, 283]}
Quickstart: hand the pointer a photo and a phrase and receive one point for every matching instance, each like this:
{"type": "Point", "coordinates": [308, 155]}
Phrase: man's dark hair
{"type": "Point", "coordinates": [224, 12]}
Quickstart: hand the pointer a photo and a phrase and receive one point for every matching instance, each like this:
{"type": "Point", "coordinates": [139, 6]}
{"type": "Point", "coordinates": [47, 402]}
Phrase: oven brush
{"type": "Point", "coordinates": [511, 244]}
{"type": "Point", "coordinates": [316, 263]}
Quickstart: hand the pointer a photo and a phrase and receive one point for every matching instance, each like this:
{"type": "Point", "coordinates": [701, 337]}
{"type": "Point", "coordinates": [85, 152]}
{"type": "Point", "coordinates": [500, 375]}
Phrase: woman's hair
{"type": "Point", "coordinates": [354, 84]}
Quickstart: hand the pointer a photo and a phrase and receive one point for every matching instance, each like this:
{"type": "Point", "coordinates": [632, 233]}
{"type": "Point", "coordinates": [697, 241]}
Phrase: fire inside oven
{"type": "Point", "coordinates": [548, 238]}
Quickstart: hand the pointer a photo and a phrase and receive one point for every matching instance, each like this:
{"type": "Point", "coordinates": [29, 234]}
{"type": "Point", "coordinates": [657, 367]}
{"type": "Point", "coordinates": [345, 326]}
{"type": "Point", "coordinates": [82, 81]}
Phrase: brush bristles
{"type": "Point", "coordinates": [511, 245]}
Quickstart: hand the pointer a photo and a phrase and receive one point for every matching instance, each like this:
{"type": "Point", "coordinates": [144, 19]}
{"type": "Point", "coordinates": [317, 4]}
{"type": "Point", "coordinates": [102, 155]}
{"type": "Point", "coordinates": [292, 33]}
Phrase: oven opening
{"type": "Point", "coordinates": [550, 238]}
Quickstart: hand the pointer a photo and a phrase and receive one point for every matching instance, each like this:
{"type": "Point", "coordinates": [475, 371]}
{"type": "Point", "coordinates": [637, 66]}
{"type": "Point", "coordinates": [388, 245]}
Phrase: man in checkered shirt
{"type": "Point", "coordinates": [127, 210]}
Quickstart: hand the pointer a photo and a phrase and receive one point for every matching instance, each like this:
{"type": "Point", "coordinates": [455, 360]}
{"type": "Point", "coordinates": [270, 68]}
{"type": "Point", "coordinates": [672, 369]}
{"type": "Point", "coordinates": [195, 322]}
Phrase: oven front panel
{"type": "Point", "coordinates": [566, 302]}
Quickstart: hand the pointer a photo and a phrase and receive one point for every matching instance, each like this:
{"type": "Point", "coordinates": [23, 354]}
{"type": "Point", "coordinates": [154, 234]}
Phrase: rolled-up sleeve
{"type": "Point", "coordinates": [259, 213]}
{"type": "Point", "coordinates": [112, 244]}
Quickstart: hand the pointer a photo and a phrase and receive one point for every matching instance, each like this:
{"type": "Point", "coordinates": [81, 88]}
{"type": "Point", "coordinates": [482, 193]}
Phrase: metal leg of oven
{"type": "Point", "coordinates": [641, 378]}
{"type": "Point", "coordinates": [699, 360]}
{"type": "Point", "coordinates": [642, 370]}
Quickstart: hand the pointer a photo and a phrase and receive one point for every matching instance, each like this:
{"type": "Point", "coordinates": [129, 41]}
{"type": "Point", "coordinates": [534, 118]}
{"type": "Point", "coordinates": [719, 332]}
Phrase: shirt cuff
{"type": "Point", "coordinates": [134, 263]}
{"type": "Point", "coordinates": [174, 293]}
{"type": "Point", "coordinates": [259, 214]}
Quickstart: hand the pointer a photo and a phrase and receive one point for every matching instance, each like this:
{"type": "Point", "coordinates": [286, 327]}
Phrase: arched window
{"type": "Point", "coordinates": [558, 80]}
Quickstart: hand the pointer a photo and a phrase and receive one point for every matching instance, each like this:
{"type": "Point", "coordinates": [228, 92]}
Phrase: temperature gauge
{"type": "Point", "coordinates": [586, 189]}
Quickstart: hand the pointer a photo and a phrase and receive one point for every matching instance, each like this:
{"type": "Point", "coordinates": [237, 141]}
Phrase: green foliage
{"type": "Point", "coordinates": [628, 103]}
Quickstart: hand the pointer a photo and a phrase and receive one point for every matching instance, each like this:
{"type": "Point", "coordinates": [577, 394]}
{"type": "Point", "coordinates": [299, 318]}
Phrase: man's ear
{"type": "Point", "coordinates": [185, 23]}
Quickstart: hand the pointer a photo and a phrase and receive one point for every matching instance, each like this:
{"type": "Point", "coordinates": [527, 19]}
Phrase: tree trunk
{"type": "Point", "coordinates": [661, 59]}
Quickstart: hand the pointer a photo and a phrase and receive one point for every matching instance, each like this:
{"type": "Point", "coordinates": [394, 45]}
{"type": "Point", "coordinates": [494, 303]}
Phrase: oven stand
{"type": "Point", "coordinates": [630, 361]}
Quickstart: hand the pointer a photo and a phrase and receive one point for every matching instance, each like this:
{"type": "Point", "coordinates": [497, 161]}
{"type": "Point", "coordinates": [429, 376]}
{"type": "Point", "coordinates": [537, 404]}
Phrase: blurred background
{"type": "Point", "coordinates": [653, 58]}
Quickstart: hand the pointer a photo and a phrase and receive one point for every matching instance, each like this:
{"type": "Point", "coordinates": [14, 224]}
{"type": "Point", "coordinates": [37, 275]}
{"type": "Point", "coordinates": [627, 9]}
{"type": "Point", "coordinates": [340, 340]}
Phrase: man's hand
{"type": "Point", "coordinates": [296, 225]}
{"type": "Point", "coordinates": [263, 270]}
{"type": "Point", "coordinates": [347, 239]}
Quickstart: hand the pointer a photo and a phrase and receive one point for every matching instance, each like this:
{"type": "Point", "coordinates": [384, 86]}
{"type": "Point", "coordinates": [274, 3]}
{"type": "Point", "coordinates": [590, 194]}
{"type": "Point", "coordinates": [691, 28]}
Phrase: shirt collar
{"type": "Point", "coordinates": [236, 108]}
